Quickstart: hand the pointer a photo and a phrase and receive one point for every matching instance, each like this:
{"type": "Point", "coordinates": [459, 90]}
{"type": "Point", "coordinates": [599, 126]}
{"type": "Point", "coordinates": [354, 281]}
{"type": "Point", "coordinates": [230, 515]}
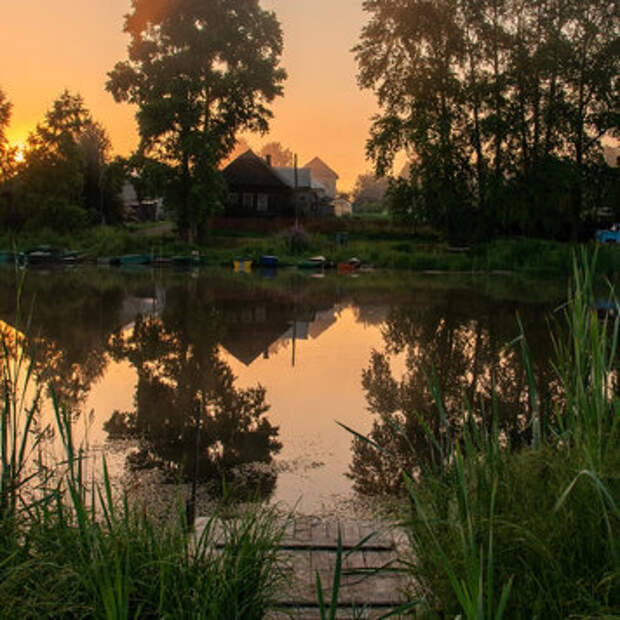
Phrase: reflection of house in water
{"type": "Point", "coordinates": [371, 315]}
{"type": "Point", "coordinates": [323, 320]}
{"type": "Point", "coordinates": [263, 329]}
{"type": "Point", "coordinates": [149, 302]}
{"type": "Point", "coordinates": [310, 326]}
{"type": "Point", "coordinates": [304, 328]}
{"type": "Point", "coordinates": [251, 329]}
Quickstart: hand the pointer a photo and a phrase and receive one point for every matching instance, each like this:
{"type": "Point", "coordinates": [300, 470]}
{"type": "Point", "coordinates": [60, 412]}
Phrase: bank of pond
{"type": "Point", "coordinates": [523, 256]}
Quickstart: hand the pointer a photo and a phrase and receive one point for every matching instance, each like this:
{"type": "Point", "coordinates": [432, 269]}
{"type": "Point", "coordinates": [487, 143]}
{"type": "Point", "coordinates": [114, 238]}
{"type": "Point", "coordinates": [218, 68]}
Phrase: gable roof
{"type": "Point", "coordinates": [304, 176]}
{"type": "Point", "coordinates": [250, 169]}
{"type": "Point", "coordinates": [318, 164]}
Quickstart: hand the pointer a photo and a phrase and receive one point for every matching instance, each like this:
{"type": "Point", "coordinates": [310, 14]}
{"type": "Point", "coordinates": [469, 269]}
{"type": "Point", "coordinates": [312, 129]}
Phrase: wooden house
{"type": "Point", "coordinates": [324, 175]}
{"type": "Point", "coordinates": [255, 188]}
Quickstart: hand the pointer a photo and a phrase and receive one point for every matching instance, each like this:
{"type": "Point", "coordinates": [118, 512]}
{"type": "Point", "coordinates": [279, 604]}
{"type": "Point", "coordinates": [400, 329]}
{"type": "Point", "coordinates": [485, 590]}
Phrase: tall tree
{"type": "Point", "coordinates": [7, 152]}
{"type": "Point", "coordinates": [64, 165]}
{"type": "Point", "coordinates": [199, 72]}
{"type": "Point", "coordinates": [411, 55]}
{"type": "Point", "coordinates": [280, 155]}
{"type": "Point", "coordinates": [592, 88]}
{"type": "Point", "coordinates": [503, 103]}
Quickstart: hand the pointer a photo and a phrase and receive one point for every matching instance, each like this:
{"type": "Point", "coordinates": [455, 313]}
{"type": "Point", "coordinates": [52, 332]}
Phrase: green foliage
{"type": "Point", "coordinates": [7, 153]}
{"type": "Point", "coordinates": [199, 73]}
{"type": "Point", "coordinates": [297, 239]}
{"type": "Point", "coordinates": [64, 183]}
{"type": "Point", "coordinates": [405, 204]}
{"type": "Point", "coordinates": [501, 104]}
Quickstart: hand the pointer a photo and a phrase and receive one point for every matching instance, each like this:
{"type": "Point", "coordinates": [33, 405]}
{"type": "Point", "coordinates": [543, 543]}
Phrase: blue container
{"type": "Point", "coordinates": [269, 261]}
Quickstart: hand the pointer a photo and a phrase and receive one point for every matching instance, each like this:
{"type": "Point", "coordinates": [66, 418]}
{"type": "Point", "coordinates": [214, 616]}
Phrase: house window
{"type": "Point", "coordinates": [233, 198]}
{"type": "Point", "coordinates": [262, 202]}
{"type": "Point", "coordinates": [248, 201]}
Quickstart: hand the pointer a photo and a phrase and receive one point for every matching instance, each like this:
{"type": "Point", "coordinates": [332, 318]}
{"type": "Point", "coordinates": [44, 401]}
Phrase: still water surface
{"type": "Point", "coordinates": [273, 363]}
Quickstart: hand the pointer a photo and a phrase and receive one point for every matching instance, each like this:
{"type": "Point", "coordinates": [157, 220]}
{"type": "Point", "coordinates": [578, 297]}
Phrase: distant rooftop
{"type": "Point", "coordinates": [318, 164]}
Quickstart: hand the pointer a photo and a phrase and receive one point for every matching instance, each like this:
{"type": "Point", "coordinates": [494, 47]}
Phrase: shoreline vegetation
{"type": "Point", "coordinates": [374, 245]}
{"type": "Point", "coordinates": [531, 532]}
{"type": "Point", "coordinates": [495, 532]}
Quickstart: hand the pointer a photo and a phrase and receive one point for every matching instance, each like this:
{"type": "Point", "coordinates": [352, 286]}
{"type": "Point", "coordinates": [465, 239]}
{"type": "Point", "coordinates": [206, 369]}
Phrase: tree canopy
{"type": "Point", "coordinates": [199, 73]}
{"type": "Point", "coordinates": [369, 192]}
{"type": "Point", "coordinates": [7, 152]}
{"type": "Point", "coordinates": [501, 103]}
{"type": "Point", "coordinates": [280, 155]}
{"type": "Point", "coordinates": [64, 182]}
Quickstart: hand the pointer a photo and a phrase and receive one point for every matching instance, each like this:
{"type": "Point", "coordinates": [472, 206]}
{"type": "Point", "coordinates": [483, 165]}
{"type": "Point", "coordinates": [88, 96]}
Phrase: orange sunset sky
{"type": "Point", "coordinates": [48, 46]}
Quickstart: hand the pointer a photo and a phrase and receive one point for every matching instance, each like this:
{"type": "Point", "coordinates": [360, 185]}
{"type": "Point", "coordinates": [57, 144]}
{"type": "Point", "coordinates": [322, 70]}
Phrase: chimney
{"type": "Point", "coordinates": [268, 160]}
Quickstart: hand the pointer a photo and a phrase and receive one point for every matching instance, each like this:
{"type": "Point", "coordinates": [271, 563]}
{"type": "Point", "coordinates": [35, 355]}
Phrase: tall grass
{"type": "Point", "coordinates": [71, 548]}
{"type": "Point", "coordinates": [530, 533]}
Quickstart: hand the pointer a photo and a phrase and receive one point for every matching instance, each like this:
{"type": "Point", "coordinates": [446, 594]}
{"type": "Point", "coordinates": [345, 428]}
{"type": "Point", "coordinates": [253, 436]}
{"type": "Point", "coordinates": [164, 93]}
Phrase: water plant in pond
{"type": "Point", "coordinates": [531, 530]}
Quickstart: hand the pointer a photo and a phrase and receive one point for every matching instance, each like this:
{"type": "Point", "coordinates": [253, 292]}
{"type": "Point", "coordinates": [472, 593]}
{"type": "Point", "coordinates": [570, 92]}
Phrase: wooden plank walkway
{"type": "Point", "coordinates": [372, 583]}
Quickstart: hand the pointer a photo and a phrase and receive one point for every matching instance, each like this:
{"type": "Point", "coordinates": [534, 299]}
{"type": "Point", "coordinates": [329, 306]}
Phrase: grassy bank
{"type": "Point", "coordinates": [380, 246]}
{"type": "Point", "coordinates": [72, 549]}
{"type": "Point", "coordinates": [531, 533]}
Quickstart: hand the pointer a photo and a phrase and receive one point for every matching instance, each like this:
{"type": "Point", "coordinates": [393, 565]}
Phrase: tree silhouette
{"type": "Point", "coordinates": [457, 366]}
{"type": "Point", "coordinates": [61, 180]}
{"type": "Point", "coordinates": [186, 394]}
{"type": "Point", "coordinates": [199, 72]}
{"type": "Point", "coordinates": [7, 153]}
{"type": "Point", "coordinates": [503, 102]}
{"type": "Point", "coordinates": [280, 155]}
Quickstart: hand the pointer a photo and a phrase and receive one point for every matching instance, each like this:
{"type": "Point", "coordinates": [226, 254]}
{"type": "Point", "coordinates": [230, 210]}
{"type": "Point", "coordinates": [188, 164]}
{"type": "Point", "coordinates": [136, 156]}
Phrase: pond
{"type": "Point", "coordinates": [257, 374]}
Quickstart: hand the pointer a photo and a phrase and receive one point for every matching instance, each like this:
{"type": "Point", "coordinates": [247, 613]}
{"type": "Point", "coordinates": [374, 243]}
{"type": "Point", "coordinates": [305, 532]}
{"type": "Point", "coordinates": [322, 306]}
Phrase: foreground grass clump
{"type": "Point", "coordinates": [70, 549]}
{"type": "Point", "coordinates": [533, 533]}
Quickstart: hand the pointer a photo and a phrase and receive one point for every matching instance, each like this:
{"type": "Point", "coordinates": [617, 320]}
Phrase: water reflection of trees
{"type": "Point", "coordinates": [67, 317]}
{"type": "Point", "coordinates": [179, 375]}
{"type": "Point", "coordinates": [454, 348]}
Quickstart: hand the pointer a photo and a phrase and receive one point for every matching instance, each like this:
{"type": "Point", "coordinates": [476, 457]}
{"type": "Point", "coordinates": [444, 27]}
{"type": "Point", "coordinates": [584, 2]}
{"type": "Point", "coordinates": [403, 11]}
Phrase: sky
{"type": "Point", "coordinates": [49, 46]}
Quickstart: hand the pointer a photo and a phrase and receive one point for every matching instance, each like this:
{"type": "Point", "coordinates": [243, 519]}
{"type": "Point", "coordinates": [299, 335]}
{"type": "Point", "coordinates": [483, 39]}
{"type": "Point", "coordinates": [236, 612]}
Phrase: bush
{"type": "Point", "coordinates": [57, 216]}
{"type": "Point", "coordinates": [297, 239]}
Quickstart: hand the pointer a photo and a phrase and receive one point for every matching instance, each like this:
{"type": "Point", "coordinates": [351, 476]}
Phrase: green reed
{"type": "Point", "coordinates": [497, 532]}
{"type": "Point", "coordinates": [71, 548]}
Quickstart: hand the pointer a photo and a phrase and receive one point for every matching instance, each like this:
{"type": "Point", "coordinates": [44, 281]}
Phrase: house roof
{"type": "Point", "coordinates": [317, 164]}
{"type": "Point", "coordinates": [250, 169]}
{"type": "Point", "coordinates": [249, 342]}
{"type": "Point", "coordinates": [304, 176]}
